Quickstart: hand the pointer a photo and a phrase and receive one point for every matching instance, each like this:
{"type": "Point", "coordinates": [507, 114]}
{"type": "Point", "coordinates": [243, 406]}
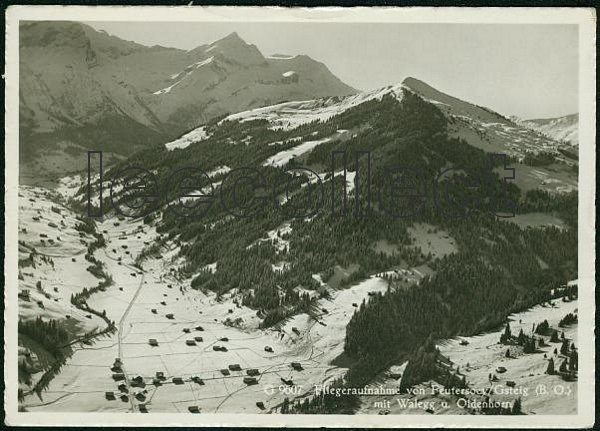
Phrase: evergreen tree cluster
{"type": "Point", "coordinates": [51, 334]}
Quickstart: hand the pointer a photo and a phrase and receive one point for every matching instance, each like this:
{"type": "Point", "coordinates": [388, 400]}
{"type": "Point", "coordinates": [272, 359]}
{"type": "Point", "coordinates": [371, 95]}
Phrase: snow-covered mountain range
{"type": "Point", "coordinates": [564, 128]}
{"type": "Point", "coordinates": [479, 126]}
{"type": "Point", "coordinates": [84, 86]}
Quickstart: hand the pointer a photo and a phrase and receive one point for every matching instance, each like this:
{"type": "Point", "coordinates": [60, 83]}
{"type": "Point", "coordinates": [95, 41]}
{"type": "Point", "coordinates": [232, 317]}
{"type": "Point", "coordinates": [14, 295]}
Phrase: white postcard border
{"type": "Point", "coordinates": [586, 20]}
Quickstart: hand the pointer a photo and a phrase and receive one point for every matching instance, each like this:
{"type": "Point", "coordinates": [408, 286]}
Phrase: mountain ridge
{"type": "Point", "coordinates": [83, 86]}
{"type": "Point", "coordinates": [563, 128]}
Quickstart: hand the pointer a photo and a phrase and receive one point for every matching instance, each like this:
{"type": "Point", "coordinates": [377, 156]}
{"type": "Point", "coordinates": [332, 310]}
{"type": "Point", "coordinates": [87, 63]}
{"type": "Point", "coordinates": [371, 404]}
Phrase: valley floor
{"type": "Point", "coordinates": [140, 299]}
{"type": "Point", "coordinates": [86, 377]}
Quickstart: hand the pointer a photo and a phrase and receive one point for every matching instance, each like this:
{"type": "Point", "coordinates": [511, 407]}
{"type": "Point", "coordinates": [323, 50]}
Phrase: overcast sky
{"type": "Point", "coordinates": [526, 70]}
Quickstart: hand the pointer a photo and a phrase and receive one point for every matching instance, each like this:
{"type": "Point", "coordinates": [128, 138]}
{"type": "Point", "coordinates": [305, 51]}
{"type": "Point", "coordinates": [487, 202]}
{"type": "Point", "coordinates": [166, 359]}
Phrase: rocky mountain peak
{"type": "Point", "coordinates": [452, 104]}
{"type": "Point", "coordinates": [116, 90]}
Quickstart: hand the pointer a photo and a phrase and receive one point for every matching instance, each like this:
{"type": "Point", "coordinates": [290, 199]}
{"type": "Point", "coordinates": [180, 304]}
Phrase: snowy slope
{"type": "Point", "coordinates": [560, 129]}
{"type": "Point", "coordinates": [289, 115]}
{"type": "Point", "coordinates": [482, 127]}
{"type": "Point", "coordinates": [186, 140]}
{"type": "Point", "coordinates": [82, 382]}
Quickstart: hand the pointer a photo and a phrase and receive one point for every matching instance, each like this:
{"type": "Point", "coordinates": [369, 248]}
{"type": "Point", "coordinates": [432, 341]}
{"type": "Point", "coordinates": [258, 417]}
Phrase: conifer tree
{"type": "Point", "coordinates": [573, 361]}
{"type": "Point", "coordinates": [563, 366]}
{"type": "Point", "coordinates": [516, 408]}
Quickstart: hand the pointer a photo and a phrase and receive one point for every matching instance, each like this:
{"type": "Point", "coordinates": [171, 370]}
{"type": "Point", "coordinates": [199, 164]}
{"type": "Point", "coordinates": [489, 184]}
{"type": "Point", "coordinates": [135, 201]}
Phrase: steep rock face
{"type": "Point", "coordinates": [86, 87]}
{"type": "Point", "coordinates": [231, 76]}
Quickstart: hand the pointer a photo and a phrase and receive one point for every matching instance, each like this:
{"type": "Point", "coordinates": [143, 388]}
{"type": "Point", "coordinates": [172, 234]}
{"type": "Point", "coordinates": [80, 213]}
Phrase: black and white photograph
{"type": "Point", "coordinates": [264, 216]}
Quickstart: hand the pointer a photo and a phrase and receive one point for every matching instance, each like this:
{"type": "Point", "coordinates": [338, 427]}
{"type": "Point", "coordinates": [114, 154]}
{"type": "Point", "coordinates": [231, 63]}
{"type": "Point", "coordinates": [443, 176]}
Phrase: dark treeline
{"type": "Point", "coordinates": [51, 334]}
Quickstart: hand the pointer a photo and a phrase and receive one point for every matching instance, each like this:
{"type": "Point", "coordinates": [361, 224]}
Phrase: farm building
{"type": "Point", "coordinates": [224, 339]}
{"type": "Point", "coordinates": [194, 409]}
{"type": "Point", "coordinates": [501, 370]}
{"type": "Point", "coordinates": [268, 349]}
{"type": "Point", "coordinates": [118, 376]}
{"type": "Point", "coordinates": [153, 342]}
{"type": "Point", "coordinates": [124, 398]}
{"type": "Point", "coordinates": [297, 366]}
{"type": "Point", "coordinates": [235, 367]}
{"type": "Point", "coordinates": [178, 380]}
{"type": "Point", "coordinates": [138, 382]}
{"type": "Point", "coordinates": [199, 328]}
{"type": "Point", "coordinates": [123, 388]}
{"type": "Point", "coordinates": [170, 316]}
{"type": "Point", "coordinates": [225, 372]}
{"type": "Point", "coordinates": [187, 330]}
{"type": "Point", "coordinates": [140, 397]}
{"type": "Point", "coordinates": [197, 380]}
{"type": "Point", "coordinates": [250, 380]}
{"type": "Point", "coordinates": [252, 372]}
{"type": "Point", "coordinates": [109, 396]}
{"type": "Point", "coordinates": [154, 311]}
{"type": "Point", "coordinates": [198, 339]}
{"type": "Point", "coordinates": [190, 342]}
{"type": "Point", "coordinates": [160, 375]}
{"type": "Point", "coordinates": [260, 405]}
{"type": "Point", "coordinates": [143, 408]}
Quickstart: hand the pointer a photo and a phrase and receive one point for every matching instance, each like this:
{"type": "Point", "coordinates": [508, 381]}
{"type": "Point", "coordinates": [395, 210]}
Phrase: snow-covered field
{"type": "Point", "coordinates": [59, 264]}
{"type": "Point", "coordinates": [479, 356]}
{"type": "Point", "coordinates": [483, 355]}
{"type": "Point", "coordinates": [139, 302]}
{"type": "Point", "coordinates": [283, 157]}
